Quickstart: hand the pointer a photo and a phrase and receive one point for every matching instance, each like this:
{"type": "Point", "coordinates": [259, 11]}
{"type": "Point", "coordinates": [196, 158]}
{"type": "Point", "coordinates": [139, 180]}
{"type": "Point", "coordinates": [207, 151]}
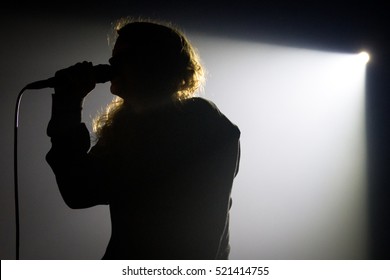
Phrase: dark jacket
{"type": "Point", "coordinates": [166, 175]}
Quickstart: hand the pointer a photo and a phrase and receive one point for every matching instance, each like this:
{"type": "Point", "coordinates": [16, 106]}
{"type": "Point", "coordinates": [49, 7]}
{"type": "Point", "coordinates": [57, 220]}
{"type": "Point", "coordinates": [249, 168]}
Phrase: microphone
{"type": "Point", "coordinates": [102, 72]}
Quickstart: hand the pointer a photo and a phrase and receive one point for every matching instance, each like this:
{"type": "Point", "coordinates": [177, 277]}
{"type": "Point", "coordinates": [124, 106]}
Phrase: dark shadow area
{"type": "Point", "coordinates": [378, 136]}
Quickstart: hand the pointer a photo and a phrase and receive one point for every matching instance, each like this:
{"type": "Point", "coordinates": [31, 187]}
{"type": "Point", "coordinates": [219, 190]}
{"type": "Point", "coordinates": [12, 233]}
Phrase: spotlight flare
{"type": "Point", "coordinates": [364, 57]}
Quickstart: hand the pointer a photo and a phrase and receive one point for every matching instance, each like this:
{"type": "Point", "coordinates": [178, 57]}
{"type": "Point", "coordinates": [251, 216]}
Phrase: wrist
{"type": "Point", "coordinates": [69, 106]}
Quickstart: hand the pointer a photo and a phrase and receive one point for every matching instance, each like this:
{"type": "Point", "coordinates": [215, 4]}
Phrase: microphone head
{"type": "Point", "coordinates": [103, 73]}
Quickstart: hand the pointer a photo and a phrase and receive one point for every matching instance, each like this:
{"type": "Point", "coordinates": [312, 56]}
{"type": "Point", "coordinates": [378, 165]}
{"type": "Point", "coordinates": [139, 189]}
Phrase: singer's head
{"type": "Point", "coordinates": [153, 61]}
{"type": "Point", "coordinates": [154, 64]}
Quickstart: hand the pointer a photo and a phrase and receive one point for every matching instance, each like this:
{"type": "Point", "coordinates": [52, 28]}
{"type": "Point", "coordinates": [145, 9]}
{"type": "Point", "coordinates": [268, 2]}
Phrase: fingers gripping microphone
{"type": "Point", "coordinates": [102, 72]}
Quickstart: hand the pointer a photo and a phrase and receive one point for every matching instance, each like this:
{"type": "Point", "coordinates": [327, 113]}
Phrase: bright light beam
{"type": "Point", "coordinates": [300, 192]}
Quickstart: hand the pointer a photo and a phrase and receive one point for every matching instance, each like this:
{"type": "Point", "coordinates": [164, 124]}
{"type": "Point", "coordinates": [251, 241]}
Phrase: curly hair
{"type": "Point", "coordinates": [167, 63]}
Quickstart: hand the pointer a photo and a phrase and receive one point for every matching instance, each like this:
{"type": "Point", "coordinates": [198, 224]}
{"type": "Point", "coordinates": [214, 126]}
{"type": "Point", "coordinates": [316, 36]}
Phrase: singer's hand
{"type": "Point", "coordinates": [75, 81]}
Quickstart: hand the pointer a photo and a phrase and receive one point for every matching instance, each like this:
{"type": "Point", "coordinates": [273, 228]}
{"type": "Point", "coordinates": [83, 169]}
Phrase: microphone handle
{"type": "Point", "coordinates": [48, 83]}
{"type": "Point", "coordinates": [103, 73]}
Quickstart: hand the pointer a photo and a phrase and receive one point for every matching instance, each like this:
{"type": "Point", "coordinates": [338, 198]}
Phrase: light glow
{"type": "Point", "coordinates": [364, 57]}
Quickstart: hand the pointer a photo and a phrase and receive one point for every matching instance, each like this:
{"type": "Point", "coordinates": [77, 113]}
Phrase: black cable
{"type": "Point", "coordinates": [16, 124]}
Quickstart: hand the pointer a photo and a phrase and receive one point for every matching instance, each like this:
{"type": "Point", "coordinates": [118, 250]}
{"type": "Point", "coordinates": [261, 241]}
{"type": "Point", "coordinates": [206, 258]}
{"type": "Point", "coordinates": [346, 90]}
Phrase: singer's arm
{"type": "Point", "coordinates": [80, 176]}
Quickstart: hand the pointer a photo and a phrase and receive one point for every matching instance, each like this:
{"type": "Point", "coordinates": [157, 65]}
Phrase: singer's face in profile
{"type": "Point", "coordinates": [121, 85]}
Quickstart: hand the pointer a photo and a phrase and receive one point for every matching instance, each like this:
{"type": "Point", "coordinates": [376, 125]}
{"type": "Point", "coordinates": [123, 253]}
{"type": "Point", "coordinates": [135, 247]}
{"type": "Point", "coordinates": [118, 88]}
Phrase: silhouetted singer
{"type": "Point", "coordinates": [164, 161]}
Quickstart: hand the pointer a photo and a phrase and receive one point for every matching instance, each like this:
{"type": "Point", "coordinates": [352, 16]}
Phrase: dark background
{"type": "Point", "coordinates": [336, 26]}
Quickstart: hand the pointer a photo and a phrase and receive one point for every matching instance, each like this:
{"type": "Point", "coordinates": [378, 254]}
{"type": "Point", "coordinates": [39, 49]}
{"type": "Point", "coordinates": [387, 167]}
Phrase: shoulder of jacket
{"type": "Point", "coordinates": [200, 105]}
{"type": "Point", "coordinates": [209, 112]}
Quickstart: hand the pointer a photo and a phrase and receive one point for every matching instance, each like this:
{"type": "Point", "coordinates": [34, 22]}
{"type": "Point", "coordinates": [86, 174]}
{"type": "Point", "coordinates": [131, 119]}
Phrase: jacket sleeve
{"type": "Point", "coordinates": [80, 176]}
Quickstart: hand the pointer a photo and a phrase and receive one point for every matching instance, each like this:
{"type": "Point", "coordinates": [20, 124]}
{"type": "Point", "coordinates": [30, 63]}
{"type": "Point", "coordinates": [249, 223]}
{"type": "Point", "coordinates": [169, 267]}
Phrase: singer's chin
{"type": "Point", "coordinates": [113, 89]}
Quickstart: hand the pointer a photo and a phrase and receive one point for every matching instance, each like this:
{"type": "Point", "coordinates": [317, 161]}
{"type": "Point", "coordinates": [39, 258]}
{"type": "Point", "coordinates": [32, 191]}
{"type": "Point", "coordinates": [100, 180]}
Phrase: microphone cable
{"type": "Point", "coordinates": [16, 125]}
{"type": "Point", "coordinates": [16, 184]}
{"type": "Point", "coordinates": [102, 72]}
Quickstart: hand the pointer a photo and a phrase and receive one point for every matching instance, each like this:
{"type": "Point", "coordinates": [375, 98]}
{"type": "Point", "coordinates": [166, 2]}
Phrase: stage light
{"type": "Point", "coordinates": [364, 57]}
